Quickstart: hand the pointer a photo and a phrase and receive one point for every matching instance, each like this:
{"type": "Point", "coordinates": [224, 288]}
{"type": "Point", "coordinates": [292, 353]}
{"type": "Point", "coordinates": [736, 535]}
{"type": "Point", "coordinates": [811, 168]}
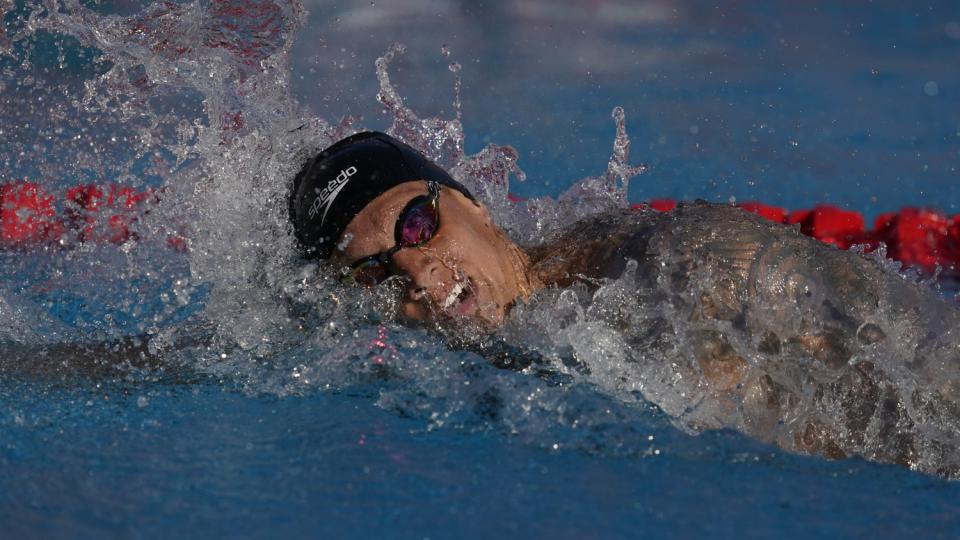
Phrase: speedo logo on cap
{"type": "Point", "coordinates": [329, 193]}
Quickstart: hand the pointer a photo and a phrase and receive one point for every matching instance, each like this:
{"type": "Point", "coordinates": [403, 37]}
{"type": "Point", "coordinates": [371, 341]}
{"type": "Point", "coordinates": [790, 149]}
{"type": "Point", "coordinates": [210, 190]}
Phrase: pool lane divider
{"type": "Point", "coordinates": [918, 237]}
{"type": "Point", "coordinates": [30, 217]}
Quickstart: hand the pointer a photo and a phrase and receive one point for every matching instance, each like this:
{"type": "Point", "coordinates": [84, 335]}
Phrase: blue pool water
{"type": "Point", "coordinates": [359, 427]}
{"type": "Point", "coordinates": [204, 460]}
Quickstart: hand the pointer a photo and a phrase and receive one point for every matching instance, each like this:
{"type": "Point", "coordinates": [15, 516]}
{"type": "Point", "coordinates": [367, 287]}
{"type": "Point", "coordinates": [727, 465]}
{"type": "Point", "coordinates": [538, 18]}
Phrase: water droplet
{"type": "Point", "coordinates": [953, 30]}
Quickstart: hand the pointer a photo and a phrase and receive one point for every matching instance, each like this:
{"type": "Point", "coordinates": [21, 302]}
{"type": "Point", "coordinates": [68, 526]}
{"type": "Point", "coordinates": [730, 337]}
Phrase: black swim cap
{"type": "Point", "coordinates": [339, 182]}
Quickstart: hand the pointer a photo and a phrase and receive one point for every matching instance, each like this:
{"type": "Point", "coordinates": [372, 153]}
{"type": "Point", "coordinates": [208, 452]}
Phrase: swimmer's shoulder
{"type": "Point", "coordinates": [723, 219]}
{"type": "Point", "coordinates": [595, 247]}
{"type": "Point", "coordinates": [601, 245]}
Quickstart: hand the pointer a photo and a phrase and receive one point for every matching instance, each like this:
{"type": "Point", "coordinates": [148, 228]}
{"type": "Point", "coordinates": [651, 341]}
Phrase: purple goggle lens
{"type": "Point", "coordinates": [416, 225]}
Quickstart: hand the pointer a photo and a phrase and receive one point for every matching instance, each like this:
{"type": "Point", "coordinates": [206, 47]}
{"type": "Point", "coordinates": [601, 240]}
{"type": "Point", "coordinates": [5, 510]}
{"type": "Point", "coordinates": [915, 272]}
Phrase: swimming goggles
{"type": "Point", "coordinates": [416, 225]}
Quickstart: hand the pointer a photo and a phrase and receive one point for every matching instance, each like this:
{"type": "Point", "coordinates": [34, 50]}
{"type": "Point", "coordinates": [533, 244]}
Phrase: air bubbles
{"type": "Point", "coordinates": [931, 88]}
{"type": "Point", "coordinates": [454, 67]}
{"type": "Point", "coordinates": [952, 29]}
{"type": "Point", "coordinates": [345, 241]}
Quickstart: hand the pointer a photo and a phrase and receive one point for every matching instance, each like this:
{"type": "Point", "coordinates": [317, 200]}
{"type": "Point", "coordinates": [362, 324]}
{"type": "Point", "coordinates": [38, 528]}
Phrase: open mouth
{"type": "Point", "coordinates": [461, 299]}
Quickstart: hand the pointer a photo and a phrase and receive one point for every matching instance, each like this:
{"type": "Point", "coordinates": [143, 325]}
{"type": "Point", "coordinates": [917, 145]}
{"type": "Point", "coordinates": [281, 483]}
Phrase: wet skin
{"type": "Point", "coordinates": [776, 334]}
{"type": "Point", "coordinates": [469, 269]}
{"type": "Point", "coordinates": [785, 338]}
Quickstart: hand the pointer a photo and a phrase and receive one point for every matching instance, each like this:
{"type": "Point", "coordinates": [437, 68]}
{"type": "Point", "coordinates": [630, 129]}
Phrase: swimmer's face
{"type": "Point", "coordinates": [467, 270]}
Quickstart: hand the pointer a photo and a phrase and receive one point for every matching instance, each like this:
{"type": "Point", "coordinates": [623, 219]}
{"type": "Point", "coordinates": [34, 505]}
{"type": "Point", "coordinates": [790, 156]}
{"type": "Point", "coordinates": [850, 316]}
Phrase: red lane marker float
{"type": "Point", "coordinates": [922, 238]}
{"type": "Point", "coordinates": [663, 205]}
{"type": "Point", "coordinates": [27, 214]}
{"type": "Point", "coordinates": [89, 213]}
{"type": "Point", "coordinates": [842, 228]}
{"type": "Point", "coordinates": [773, 213]}
{"type": "Point", "coordinates": [106, 214]}
{"type": "Point", "coordinates": [85, 205]}
{"type": "Point", "coordinates": [917, 237]}
{"type": "Point", "coordinates": [660, 205]}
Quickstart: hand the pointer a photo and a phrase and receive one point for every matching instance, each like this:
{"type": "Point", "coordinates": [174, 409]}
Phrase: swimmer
{"type": "Point", "coordinates": [719, 317]}
{"type": "Point", "coordinates": [733, 321]}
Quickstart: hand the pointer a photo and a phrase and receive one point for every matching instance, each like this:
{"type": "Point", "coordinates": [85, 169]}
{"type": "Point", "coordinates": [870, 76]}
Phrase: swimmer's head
{"type": "Point", "coordinates": [379, 210]}
{"type": "Point", "coordinates": [339, 182]}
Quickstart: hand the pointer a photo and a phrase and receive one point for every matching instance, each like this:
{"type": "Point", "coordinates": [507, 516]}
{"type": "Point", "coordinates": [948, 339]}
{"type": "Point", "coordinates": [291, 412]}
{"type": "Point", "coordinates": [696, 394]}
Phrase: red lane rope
{"type": "Point", "coordinates": [918, 237]}
{"type": "Point", "coordinates": [88, 213]}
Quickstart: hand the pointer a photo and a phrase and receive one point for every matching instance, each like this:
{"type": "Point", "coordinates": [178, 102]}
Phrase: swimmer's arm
{"type": "Point", "coordinates": [76, 358]}
{"type": "Point", "coordinates": [96, 359]}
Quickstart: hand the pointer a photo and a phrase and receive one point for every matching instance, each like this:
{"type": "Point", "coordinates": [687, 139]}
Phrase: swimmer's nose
{"type": "Point", "coordinates": [423, 270]}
